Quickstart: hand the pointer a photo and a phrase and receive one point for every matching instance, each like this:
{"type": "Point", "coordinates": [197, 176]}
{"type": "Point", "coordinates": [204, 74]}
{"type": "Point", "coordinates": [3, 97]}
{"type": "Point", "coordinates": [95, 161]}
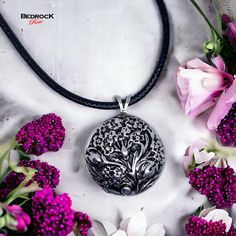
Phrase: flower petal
{"type": "Point", "coordinates": [218, 215]}
{"type": "Point", "coordinates": [199, 64]}
{"type": "Point", "coordinates": [119, 233]}
{"type": "Point", "coordinates": [219, 62]}
{"type": "Point", "coordinates": [156, 229]}
{"type": "Point", "coordinates": [187, 161]}
{"type": "Point", "coordinates": [224, 104]}
{"type": "Point", "coordinates": [124, 224]}
{"type": "Point", "coordinates": [137, 225]}
{"type": "Point", "coordinates": [203, 156]}
{"type": "Point", "coordinates": [98, 229]}
{"type": "Point", "coordinates": [232, 162]}
{"type": "Point", "coordinates": [109, 227]}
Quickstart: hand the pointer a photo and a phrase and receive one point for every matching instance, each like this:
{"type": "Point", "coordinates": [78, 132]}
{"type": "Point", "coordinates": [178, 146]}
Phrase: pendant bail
{"type": "Point", "coordinates": [123, 106]}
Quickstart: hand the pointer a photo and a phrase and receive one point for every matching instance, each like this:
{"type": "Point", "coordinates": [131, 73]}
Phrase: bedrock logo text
{"type": "Point", "coordinates": [37, 16]}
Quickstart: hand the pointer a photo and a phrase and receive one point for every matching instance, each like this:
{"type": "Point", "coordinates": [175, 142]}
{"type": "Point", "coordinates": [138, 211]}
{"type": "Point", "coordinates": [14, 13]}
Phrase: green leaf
{"type": "Point", "coordinates": [21, 189]}
{"type": "Point", "coordinates": [198, 211]}
{"type": "Point", "coordinates": [75, 230]}
{"type": "Point", "coordinates": [5, 150]}
{"type": "Point", "coordinates": [22, 155]}
{"type": "Point", "coordinates": [8, 146]}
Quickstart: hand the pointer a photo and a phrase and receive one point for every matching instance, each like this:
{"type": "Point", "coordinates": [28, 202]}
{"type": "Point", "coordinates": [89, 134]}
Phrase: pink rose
{"type": "Point", "coordinates": [223, 117]}
{"type": "Point", "coordinates": [199, 84]}
{"type": "Point", "coordinates": [223, 106]}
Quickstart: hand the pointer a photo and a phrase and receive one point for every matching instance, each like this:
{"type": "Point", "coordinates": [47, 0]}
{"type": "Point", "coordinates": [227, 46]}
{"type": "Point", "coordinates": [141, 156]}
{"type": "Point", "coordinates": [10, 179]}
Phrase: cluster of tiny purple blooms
{"type": "Point", "coordinates": [209, 86]}
{"type": "Point", "coordinates": [44, 213]}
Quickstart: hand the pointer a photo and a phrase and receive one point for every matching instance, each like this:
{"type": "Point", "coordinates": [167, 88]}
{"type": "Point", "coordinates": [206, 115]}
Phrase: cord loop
{"type": "Point", "coordinates": [84, 101]}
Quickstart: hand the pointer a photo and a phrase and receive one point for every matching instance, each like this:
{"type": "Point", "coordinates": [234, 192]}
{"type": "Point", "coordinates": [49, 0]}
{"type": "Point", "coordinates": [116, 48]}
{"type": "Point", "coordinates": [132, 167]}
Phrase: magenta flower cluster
{"type": "Point", "coordinates": [46, 175]}
{"type": "Point", "coordinates": [218, 184]}
{"type": "Point", "coordinates": [198, 226]}
{"type": "Point", "coordinates": [83, 223]}
{"type": "Point", "coordinates": [226, 130]}
{"type": "Point", "coordinates": [51, 215]}
{"type": "Point", "coordinates": [42, 135]}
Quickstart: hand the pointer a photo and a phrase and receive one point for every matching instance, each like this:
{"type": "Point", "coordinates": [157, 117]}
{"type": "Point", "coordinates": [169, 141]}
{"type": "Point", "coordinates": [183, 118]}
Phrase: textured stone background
{"type": "Point", "coordinates": [99, 49]}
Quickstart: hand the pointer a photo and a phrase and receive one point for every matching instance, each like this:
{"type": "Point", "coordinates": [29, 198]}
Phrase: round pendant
{"type": "Point", "coordinates": [125, 155]}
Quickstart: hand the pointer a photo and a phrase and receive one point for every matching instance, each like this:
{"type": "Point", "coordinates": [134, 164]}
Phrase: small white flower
{"type": "Point", "coordinates": [132, 226]}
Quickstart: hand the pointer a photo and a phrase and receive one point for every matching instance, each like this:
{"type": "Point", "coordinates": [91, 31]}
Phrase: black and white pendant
{"type": "Point", "coordinates": [125, 156]}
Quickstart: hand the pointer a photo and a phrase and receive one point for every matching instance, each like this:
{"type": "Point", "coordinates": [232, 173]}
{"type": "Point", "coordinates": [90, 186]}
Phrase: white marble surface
{"type": "Point", "coordinates": [100, 48]}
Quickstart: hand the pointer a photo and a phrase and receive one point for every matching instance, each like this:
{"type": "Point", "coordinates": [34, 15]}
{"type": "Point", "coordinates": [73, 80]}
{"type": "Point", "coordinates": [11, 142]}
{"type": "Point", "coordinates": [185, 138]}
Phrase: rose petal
{"type": "Point", "coordinates": [137, 225]}
{"type": "Point", "coordinates": [199, 64]}
{"type": "Point", "coordinates": [199, 85]}
{"type": "Point", "coordinates": [224, 104]}
{"type": "Point", "coordinates": [219, 62]}
{"type": "Point", "coordinates": [156, 229]}
{"type": "Point", "coordinates": [197, 89]}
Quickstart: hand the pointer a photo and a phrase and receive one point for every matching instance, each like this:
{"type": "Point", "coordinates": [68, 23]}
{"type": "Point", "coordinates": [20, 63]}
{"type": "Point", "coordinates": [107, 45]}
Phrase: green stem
{"type": "Point", "coordinates": [5, 150]}
{"type": "Point", "coordinates": [213, 30]}
{"type": "Point", "coordinates": [76, 232]}
{"type": "Point", "coordinates": [22, 155]}
{"type": "Point", "coordinates": [222, 151]}
{"type": "Point", "coordinates": [18, 190]}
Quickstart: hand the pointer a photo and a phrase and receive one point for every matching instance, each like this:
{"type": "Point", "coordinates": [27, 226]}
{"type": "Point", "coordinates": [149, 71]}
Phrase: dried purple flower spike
{"type": "Point", "coordinates": [42, 135]}
{"type": "Point", "coordinates": [218, 184]}
{"type": "Point", "coordinates": [51, 215]}
{"type": "Point", "coordinates": [83, 223]}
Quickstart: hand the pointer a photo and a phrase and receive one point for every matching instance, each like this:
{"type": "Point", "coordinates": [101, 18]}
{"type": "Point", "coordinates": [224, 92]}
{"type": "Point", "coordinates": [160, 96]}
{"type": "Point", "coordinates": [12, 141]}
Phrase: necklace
{"type": "Point", "coordinates": [125, 155]}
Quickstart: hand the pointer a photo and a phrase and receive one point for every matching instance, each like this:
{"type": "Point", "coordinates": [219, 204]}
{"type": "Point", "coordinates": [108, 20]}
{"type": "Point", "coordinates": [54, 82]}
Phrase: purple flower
{"type": "Point", "coordinates": [226, 131]}
{"type": "Point", "coordinates": [21, 219]}
{"type": "Point", "coordinates": [230, 31]}
{"type": "Point", "coordinates": [46, 175]}
{"type": "Point", "coordinates": [51, 215]}
{"type": "Point", "coordinates": [218, 184]}
{"type": "Point", "coordinates": [223, 117]}
{"type": "Point", "coordinates": [198, 226]}
{"type": "Point", "coordinates": [83, 223]}
{"type": "Point", "coordinates": [42, 135]}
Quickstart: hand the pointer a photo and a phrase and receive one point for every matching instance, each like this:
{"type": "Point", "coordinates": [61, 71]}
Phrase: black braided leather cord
{"type": "Point", "coordinates": [88, 102]}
